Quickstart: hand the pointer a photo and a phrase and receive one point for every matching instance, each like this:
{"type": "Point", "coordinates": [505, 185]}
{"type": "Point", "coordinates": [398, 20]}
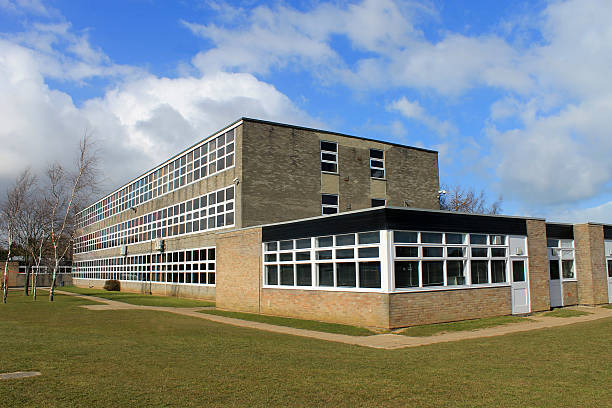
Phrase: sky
{"type": "Point", "coordinates": [515, 96]}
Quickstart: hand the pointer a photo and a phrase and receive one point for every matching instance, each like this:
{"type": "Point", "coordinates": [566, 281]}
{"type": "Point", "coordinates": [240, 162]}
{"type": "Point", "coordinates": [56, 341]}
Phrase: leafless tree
{"type": "Point", "coordinates": [461, 199]}
{"type": "Point", "coordinates": [33, 230]}
{"type": "Point", "coordinates": [68, 193]}
{"type": "Point", "coordinates": [11, 210]}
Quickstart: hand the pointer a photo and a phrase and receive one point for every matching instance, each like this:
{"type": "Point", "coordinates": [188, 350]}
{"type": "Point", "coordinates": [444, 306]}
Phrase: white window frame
{"type": "Point", "coordinates": [374, 167]}
{"type": "Point", "coordinates": [563, 251]}
{"type": "Point", "coordinates": [334, 153]}
{"type": "Point", "coordinates": [324, 206]}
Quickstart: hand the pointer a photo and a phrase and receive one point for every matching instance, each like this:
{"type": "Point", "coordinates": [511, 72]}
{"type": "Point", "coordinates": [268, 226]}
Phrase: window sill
{"type": "Point", "coordinates": [330, 173]}
{"type": "Point", "coordinates": [443, 288]}
{"type": "Point", "coordinates": [379, 179]}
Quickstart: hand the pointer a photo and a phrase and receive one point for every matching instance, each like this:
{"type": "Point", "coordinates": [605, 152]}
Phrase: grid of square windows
{"type": "Point", "coordinates": [204, 213]}
{"type": "Point", "coordinates": [190, 266]}
{"type": "Point", "coordinates": [430, 259]}
{"type": "Point", "coordinates": [207, 158]}
{"type": "Point", "coordinates": [334, 261]}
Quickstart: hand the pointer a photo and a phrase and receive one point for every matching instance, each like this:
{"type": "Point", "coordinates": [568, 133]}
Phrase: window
{"type": "Point", "coordinates": [341, 261]}
{"type": "Point", "coordinates": [377, 163]}
{"type": "Point", "coordinates": [329, 204]}
{"type": "Point", "coordinates": [378, 202]}
{"type": "Point", "coordinates": [561, 259]}
{"type": "Point", "coordinates": [329, 157]}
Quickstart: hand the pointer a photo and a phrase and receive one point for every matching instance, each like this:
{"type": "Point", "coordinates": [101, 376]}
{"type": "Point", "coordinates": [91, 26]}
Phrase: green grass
{"type": "Point", "coordinates": [466, 325]}
{"type": "Point", "coordinates": [565, 313]}
{"type": "Point", "coordinates": [138, 358]}
{"type": "Point", "coordinates": [138, 299]}
{"type": "Point", "coordinates": [607, 306]}
{"type": "Point", "coordinates": [295, 323]}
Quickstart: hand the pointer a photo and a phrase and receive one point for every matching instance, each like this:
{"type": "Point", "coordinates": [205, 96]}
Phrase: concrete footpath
{"type": "Point", "coordinates": [381, 341]}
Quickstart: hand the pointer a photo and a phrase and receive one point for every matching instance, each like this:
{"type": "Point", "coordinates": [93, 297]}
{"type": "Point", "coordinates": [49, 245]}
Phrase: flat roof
{"type": "Point", "coordinates": [405, 218]}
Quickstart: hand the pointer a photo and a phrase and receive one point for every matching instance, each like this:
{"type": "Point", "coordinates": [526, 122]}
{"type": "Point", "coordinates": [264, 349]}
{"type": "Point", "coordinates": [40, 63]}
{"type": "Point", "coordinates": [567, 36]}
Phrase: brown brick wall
{"type": "Point", "coordinates": [412, 178]}
{"type": "Point", "coordinates": [364, 309]}
{"type": "Point", "coordinates": [539, 290]}
{"type": "Point", "coordinates": [282, 177]}
{"type": "Point", "coordinates": [239, 270]}
{"type": "Point", "coordinates": [590, 264]}
{"type": "Point", "coordinates": [415, 308]}
{"type": "Point", "coordinates": [570, 293]}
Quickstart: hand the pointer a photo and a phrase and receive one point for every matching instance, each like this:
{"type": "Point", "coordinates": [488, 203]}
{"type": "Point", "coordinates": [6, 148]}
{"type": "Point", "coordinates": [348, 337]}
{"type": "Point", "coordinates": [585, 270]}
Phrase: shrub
{"type": "Point", "coordinates": [112, 285]}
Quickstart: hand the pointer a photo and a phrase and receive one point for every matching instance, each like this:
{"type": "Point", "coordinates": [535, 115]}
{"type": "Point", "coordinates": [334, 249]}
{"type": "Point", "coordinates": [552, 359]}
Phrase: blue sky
{"type": "Point", "coordinates": [514, 95]}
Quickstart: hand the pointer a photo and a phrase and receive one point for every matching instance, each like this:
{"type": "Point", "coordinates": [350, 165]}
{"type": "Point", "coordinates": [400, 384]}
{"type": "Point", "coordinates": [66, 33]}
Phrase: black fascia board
{"type": "Point", "coordinates": [394, 218]}
{"type": "Point", "coordinates": [560, 231]}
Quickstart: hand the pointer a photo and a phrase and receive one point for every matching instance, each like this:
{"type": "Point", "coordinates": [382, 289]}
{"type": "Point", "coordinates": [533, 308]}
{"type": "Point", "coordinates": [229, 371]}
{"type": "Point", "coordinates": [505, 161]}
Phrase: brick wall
{"type": "Point", "coordinates": [590, 264]}
{"type": "Point", "coordinates": [412, 178]}
{"type": "Point", "coordinates": [539, 290]}
{"type": "Point", "coordinates": [239, 270]}
{"type": "Point", "coordinates": [354, 308]}
{"type": "Point", "coordinates": [415, 308]}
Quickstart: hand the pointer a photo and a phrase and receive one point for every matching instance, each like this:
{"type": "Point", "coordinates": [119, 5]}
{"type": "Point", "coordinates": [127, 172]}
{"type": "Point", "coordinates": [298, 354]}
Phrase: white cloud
{"type": "Point", "coordinates": [25, 6]}
{"type": "Point", "coordinates": [140, 121]}
{"type": "Point", "coordinates": [413, 110]}
{"type": "Point", "coordinates": [600, 213]}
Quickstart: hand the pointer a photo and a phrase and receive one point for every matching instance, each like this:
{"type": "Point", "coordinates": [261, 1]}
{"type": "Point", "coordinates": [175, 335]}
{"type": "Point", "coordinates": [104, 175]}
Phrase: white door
{"type": "Point", "coordinates": [609, 280]}
{"type": "Point", "coordinates": [520, 287]}
{"type": "Point", "coordinates": [556, 287]}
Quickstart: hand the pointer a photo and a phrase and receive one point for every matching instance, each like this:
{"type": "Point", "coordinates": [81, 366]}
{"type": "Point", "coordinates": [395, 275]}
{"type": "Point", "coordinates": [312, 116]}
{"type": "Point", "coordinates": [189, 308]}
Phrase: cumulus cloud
{"type": "Point", "coordinates": [140, 120]}
{"type": "Point", "coordinates": [414, 110]}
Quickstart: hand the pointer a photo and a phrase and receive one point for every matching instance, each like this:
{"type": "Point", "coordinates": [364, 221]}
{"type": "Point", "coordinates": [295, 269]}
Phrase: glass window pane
{"type": "Point", "coordinates": [478, 239]}
{"type": "Point", "coordinates": [348, 239]}
{"type": "Point", "coordinates": [272, 274]}
{"type": "Point", "coordinates": [455, 238]}
{"type": "Point", "coordinates": [369, 274]}
{"type": "Point", "coordinates": [347, 276]}
{"type": "Point", "coordinates": [286, 275]}
{"type": "Point", "coordinates": [554, 269]}
{"type": "Point", "coordinates": [498, 271]}
{"type": "Point", "coordinates": [455, 252]}
{"type": "Point", "coordinates": [344, 253]}
{"type": "Point", "coordinates": [480, 272]}
{"type": "Point", "coordinates": [433, 273]}
{"type": "Point", "coordinates": [407, 252]}
{"type": "Point", "coordinates": [284, 245]}
{"type": "Point", "coordinates": [406, 274]}
{"type": "Point", "coordinates": [304, 274]}
{"type": "Point", "coordinates": [518, 271]}
{"type": "Point", "coordinates": [610, 268]}
{"type": "Point", "coordinates": [302, 256]}
{"type": "Point", "coordinates": [270, 257]}
{"type": "Point", "coordinates": [454, 273]}
{"type": "Point", "coordinates": [302, 243]}
{"type": "Point", "coordinates": [324, 254]}
{"type": "Point", "coordinates": [498, 239]}
{"type": "Point", "coordinates": [479, 252]}
{"type": "Point", "coordinates": [431, 237]}
{"type": "Point", "coordinates": [325, 242]}
{"type": "Point", "coordinates": [552, 243]}
{"type": "Point", "coordinates": [498, 252]}
{"type": "Point", "coordinates": [432, 252]}
{"type": "Point", "coordinates": [405, 236]}
{"type": "Point", "coordinates": [368, 252]}
{"type": "Point", "coordinates": [286, 256]}
{"type": "Point", "coordinates": [568, 269]}
{"type": "Point", "coordinates": [326, 274]}
{"type": "Point", "coordinates": [369, 237]}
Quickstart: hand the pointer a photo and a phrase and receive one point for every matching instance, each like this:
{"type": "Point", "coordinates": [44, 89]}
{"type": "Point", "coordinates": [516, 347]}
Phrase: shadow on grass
{"type": "Point", "coordinates": [565, 313]}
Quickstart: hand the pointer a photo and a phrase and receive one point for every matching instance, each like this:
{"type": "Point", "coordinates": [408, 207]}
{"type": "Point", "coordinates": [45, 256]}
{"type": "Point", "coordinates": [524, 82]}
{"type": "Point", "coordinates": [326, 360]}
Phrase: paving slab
{"type": "Point", "coordinates": [386, 341]}
{"type": "Point", "coordinates": [18, 375]}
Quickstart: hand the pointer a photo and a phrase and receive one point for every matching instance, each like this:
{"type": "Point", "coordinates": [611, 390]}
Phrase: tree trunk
{"type": "Point", "coordinates": [26, 285]}
{"type": "Point", "coordinates": [34, 275]}
{"type": "Point", "coordinates": [52, 291]}
{"type": "Point", "coordinates": [5, 281]}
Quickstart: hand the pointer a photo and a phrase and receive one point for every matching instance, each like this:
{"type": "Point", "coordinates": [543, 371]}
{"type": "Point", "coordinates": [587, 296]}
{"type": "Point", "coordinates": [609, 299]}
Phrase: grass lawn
{"type": "Point", "coordinates": [607, 306]}
{"type": "Point", "coordinates": [296, 323]}
{"type": "Point", "coordinates": [565, 313]}
{"type": "Point", "coordinates": [466, 325]}
{"type": "Point", "coordinates": [136, 358]}
{"type": "Point", "coordinates": [137, 298]}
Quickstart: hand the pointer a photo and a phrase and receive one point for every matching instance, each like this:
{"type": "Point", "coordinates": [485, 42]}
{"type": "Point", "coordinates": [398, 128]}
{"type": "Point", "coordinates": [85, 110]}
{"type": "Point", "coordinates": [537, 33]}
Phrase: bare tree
{"type": "Point", "coordinates": [33, 233]}
{"type": "Point", "coordinates": [69, 192]}
{"type": "Point", "coordinates": [11, 209]}
{"type": "Point", "coordinates": [461, 199]}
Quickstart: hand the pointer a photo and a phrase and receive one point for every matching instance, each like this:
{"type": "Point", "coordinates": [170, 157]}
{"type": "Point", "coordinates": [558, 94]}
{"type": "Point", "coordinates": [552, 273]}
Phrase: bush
{"type": "Point", "coordinates": [112, 285]}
